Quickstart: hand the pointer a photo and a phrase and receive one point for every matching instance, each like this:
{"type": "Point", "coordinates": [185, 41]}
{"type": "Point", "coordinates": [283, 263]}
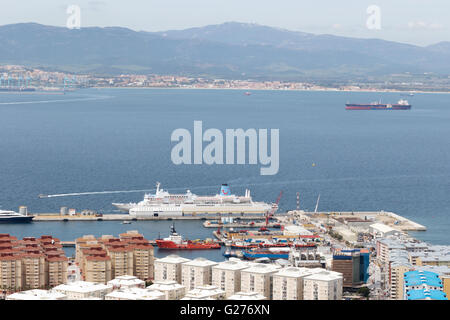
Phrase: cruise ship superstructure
{"type": "Point", "coordinates": [163, 203]}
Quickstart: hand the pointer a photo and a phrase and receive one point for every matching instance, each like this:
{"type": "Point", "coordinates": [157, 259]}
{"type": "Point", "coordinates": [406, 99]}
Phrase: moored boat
{"type": "Point", "coordinates": [400, 105]}
{"type": "Point", "coordinates": [176, 242]}
{"type": "Point", "coordinates": [14, 217]}
{"type": "Point", "coordinates": [271, 253]}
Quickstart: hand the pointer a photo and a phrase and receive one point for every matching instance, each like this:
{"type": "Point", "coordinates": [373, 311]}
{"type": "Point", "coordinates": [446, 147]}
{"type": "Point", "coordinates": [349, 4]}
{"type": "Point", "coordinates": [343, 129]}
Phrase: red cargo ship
{"type": "Point", "coordinates": [176, 242]}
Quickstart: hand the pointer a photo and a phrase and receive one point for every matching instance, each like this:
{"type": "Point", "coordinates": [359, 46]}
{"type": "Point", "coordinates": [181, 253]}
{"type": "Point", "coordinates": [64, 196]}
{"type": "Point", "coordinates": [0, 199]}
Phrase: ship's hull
{"type": "Point", "coordinates": [250, 255]}
{"type": "Point", "coordinates": [198, 210]}
{"type": "Point", "coordinates": [164, 244]}
{"type": "Point", "coordinates": [350, 106]}
{"type": "Point", "coordinates": [24, 219]}
{"type": "Point", "coordinates": [125, 207]}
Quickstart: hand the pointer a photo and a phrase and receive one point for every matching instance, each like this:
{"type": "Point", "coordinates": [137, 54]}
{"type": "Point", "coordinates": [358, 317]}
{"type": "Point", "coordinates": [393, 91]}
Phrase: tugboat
{"type": "Point", "coordinates": [176, 242]}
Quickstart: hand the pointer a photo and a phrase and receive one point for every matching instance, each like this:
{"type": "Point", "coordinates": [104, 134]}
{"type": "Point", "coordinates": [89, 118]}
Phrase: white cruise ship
{"type": "Point", "coordinates": [162, 203]}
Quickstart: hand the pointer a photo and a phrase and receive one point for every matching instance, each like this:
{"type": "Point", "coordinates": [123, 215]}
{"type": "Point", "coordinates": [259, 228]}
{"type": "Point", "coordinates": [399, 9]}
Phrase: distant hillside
{"type": "Point", "coordinates": [230, 50]}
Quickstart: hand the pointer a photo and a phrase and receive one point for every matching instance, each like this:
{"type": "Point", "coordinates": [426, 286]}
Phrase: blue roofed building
{"type": "Point", "coordinates": [422, 294]}
{"type": "Point", "coordinates": [423, 285]}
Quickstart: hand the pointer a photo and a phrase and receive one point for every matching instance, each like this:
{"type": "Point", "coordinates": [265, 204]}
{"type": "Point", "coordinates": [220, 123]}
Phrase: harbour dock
{"type": "Point", "coordinates": [252, 224]}
{"type": "Point", "coordinates": [42, 217]}
{"type": "Point", "coordinates": [388, 218]}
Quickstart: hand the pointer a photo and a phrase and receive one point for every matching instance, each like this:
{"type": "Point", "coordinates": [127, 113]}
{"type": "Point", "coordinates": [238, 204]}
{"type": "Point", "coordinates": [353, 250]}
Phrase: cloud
{"type": "Point", "coordinates": [424, 25]}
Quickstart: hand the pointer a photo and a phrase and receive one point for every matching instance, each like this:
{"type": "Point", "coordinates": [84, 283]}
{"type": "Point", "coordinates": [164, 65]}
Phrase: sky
{"type": "Point", "coordinates": [420, 22]}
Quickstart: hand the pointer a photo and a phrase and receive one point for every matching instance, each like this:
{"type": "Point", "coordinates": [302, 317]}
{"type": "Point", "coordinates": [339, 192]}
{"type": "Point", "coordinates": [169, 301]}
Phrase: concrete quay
{"type": "Point", "coordinates": [42, 217]}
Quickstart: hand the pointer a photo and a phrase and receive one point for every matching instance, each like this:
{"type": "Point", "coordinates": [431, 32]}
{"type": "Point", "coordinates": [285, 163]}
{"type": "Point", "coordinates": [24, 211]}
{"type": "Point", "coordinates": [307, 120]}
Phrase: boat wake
{"type": "Point", "coordinates": [92, 98]}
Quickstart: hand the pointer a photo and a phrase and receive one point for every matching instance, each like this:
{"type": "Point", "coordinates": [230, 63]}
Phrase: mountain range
{"type": "Point", "coordinates": [229, 50]}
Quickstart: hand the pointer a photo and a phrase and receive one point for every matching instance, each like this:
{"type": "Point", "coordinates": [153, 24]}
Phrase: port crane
{"type": "Point", "coordinates": [270, 213]}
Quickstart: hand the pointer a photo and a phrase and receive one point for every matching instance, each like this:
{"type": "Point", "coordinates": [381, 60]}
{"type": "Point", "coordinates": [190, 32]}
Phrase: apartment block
{"type": "Point", "coordinates": [324, 285]}
{"type": "Point", "coordinates": [227, 276]}
{"type": "Point", "coordinates": [130, 254]}
{"type": "Point", "coordinates": [169, 268]}
{"type": "Point", "coordinates": [258, 278]}
{"type": "Point", "coordinates": [196, 273]}
{"type": "Point", "coordinates": [171, 289]}
{"type": "Point", "coordinates": [288, 283]}
{"type": "Point", "coordinates": [31, 263]}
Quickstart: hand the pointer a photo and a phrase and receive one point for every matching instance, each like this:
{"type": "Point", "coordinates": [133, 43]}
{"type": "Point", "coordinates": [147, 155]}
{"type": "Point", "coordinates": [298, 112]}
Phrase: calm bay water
{"type": "Point", "coordinates": [119, 139]}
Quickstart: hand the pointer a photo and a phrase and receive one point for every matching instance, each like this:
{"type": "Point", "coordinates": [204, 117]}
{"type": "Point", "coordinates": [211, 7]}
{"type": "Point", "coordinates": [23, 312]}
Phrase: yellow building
{"type": "Point", "coordinates": [97, 268]}
{"type": "Point", "coordinates": [10, 272]}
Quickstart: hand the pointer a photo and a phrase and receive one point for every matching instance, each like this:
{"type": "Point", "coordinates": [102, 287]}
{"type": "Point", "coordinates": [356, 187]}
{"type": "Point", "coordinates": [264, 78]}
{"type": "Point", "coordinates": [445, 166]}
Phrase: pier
{"type": "Point", "coordinates": [388, 218]}
{"type": "Point", "coordinates": [42, 217]}
{"type": "Point", "coordinates": [215, 224]}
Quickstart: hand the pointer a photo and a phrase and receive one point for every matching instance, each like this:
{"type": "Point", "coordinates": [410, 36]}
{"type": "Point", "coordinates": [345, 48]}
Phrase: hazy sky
{"type": "Point", "coordinates": [419, 22]}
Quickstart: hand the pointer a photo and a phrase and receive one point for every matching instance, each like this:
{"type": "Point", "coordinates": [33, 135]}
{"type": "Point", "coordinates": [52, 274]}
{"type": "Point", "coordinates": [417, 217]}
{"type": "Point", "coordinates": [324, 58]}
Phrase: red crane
{"type": "Point", "coordinates": [269, 214]}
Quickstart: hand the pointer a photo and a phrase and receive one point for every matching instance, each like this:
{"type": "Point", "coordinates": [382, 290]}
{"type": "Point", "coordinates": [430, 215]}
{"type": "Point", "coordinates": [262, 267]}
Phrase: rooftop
{"type": "Point", "coordinates": [417, 278]}
{"type": "Point", "coordinates": [82, 287]}
{"type": "Point", "coordinates": [262, 268]}
{"type": "Point", "coordinates": [421, 294]}
{"type": "Point", "coordinates": [231, 265]}
{"type": "Point", "coordinates": [200, 262]}
{"type": "Point", "coordinates": [136, 294]}
{"type": "Point", "coordinates": [247, 296]}
{"type": "Point", "coordinates": [294, 272]}
{"type": "Point", "coordinates": [165, 285]}
{"type": "Point", "coordinates": [36, 294]}
{"type": "Point", "coordinates": [324, 275]}
{"type": "Point", "coordinates": [205, 291]}
{"type": "Point", "coordinates": [126, 281]}
{"type": "Point", "coordinates": [173, 258]}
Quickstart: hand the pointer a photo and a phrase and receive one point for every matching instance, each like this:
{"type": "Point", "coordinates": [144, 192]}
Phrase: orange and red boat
{"type": "Point", "coordinates": [176, 242]}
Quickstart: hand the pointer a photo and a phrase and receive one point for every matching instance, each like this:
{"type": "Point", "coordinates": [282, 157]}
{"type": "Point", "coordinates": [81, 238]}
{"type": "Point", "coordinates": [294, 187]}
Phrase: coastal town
{"type": "Point", "coordinates": [296, 255]}
{"type": "Point", "coordinates": [25, 79]}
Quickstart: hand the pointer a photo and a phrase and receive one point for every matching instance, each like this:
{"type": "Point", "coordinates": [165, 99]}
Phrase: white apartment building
{"type": "Point", "coordinates": [171, 289]}
{"type": "Point", "coordinates": [36, 294]}
{"type": "Point", "coordinates": [196, 273]}
{"type": "Point", "coordinates": [169, 268]}
{"type": "Point", "coordinates": [323, 285]}
{"type": "Point", "coordinates": [83, 289]}
{"type": "Point", "coordinates": [204, 292]}
{"type": "Point", "coordinates": [227, 276]}
{"type": "Point", "coordinates": [247, 296]}
{"type": "Point", "coordinates": [258, 278]}
{"type": "Point", "coordinates": [135, 293]}
{"type": "Point", "coordinates": [125, 282]}
{"type": "Point", "coordinates": [288, 283]}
